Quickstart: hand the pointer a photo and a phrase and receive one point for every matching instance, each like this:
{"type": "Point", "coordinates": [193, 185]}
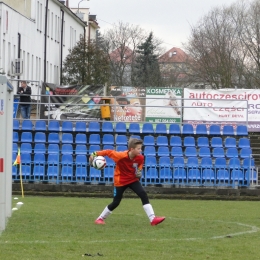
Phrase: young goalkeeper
{"type": "Point", "coordinates": [128, 171]}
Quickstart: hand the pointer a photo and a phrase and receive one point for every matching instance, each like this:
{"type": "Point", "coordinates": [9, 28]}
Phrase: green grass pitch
{"type": "Point", "coordinates": [51, 228]}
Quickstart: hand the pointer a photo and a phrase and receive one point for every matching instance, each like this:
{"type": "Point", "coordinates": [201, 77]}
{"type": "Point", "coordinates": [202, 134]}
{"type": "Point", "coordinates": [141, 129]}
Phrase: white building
{"type": "Point", "coordinates": [23, 24]}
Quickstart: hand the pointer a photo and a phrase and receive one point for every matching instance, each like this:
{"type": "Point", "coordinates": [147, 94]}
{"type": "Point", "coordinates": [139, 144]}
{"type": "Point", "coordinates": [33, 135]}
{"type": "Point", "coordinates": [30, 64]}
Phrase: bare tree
{"type": "Point", "coordinates": [120, 43]}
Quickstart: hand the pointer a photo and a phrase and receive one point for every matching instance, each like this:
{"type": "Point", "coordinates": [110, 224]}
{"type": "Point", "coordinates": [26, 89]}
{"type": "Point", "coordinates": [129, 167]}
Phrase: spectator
{"type": "Point", "coordinates": [25, 99]}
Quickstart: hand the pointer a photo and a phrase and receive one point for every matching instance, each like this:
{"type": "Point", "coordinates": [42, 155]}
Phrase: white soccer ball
{"type": "Point", "coordinates": [99, 162]}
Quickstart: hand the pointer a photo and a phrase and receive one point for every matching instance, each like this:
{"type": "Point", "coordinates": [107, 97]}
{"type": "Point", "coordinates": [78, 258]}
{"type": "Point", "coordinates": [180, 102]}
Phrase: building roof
{"type": "Point", "coordinates": [122, 53]}
{"type": "Point", "coordinates": [174, 55]}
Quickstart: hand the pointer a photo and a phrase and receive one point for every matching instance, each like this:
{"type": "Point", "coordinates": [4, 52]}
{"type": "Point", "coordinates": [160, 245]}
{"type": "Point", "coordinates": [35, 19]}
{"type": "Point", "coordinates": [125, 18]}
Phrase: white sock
{"type": "Point", "coordinates": [149, 211]}
{"type": "Point", "coordinates": [106, 212]}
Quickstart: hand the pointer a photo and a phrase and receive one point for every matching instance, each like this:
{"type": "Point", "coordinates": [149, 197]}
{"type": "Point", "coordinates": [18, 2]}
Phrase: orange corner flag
{"type": "Point", "coordinates": [18, 158]}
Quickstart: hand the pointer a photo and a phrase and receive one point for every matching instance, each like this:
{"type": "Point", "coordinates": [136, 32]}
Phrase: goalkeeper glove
{"type": "Point", "coordinates": [138, 173]}
{"type": "Point", "coordinates": [94, 154]}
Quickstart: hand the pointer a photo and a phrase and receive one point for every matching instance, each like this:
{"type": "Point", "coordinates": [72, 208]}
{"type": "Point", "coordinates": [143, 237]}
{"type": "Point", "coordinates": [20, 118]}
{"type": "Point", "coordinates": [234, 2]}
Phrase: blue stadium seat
{"type": "Point", "coordinates": [175, 141]}
{"type": "Point", "coordinates": [230, 142]}
{"type": "Point", "coordinates": [40, 125]}
{"type": "Point", "coordinates": [121, 140]}
{"type": "Point", "coordinates": [107, 127]}
{"type": "Point", "coordinates": [53, 165]}
{"type": "Point", "coordinates": [15, 137]}
{"type": "Point", "coordinates": [234, 163]}
{"type": "Point", "coordinates": [27, 125]}
{"type": "Point", "coordinates": [147, 128]}
{"type": "Point", "coordinates": [53, 138]}
{"type": "Point", "coordinates": [108, 139]}
{"type": "Point", "coordinates": [149, 140]}
{"type": "Point", "coordinates": [165, 171]}
{"type": "Point", "coordinates": [223, 175]}
{"type": "Point", "coordinates": [26, 137]}
{"type": "Point", "coordinates": [228, 130]}
{"type": "Point", "coordinates": [245, 152]}
{"type": "Point", "coordinates": [161, 129]}
{"type": "Point", "coordinates": [220, 163]}
{"type": "Point", "coordinates": [81, 127]}
{"type": "Point", "coordinates": [109, 147]}
{"type": "Point", "coordinates": [39, 148]}
{"type": "Point", "coordinates": [66, 149]}
{"type": "Point", "coordinates": [204, 152]}
{"type": "Point", "coordinates": [216, 142]}
{"type": "Point", "coordinates": [214, 130]}
{"type": "Point", "coordinates": [218, 152]}
{"type": "Point", "coordinates": [192, 162]}
{"type": "Point", "coordinates": [26, 164]}
{"type": "Point", "coordinates": [16, 125]}
{"type": "Point", "coordinates": [120, 128]}
{"type": "Point", "coordinates": [53, 149]}
{"type": "Point", "coordinates": [208, 175]}
{"type": "Point", "coordinates": [194, 175]}
{"type": "Point", "coordinates": [134, 128]}
{"type": "Point", "coordinates": [81, 149]}
{"type": "Point", "coordinates": [67, 138]}
{"type": "Point", "coordinates": [66, 166]}
{"type": "Point", "coordinates": [231, 152]}
{"type": "Point", "coordinates": [94, 139]}
{"type": "Point", "coordinates": [201, 129]}
{"type": "Point", "coordinates": [190, 151]}
{"type": "Point", "coordinates": [179, 172]}
{"type": "Point", "coordinates": [94, 127]}
{"type": "Point", "coordinates": [40, 137]}
{"type": "Point", "coordinates": [251, 176]}
{"type": "Point", "coordinates": [94, 174]}
{"type": "Point", "coordinates": [26, 148]}
{"type": "Point", "coordinates": [15, 148]}
{"type": "Point", "coordinates": [203, 141]}
{"type": "Point", "coordinates": [149, 151]}
{"type": "Point", "coordinates": [237, 175]}
{"type": "Point", "coordinates": [81, 138]}
{"type": "Point", "coordinates": [121, 148]}
{"type": "Point", "coordinates": [81, 167]}
{"type": "Point", "coordinates": [248, 163]}
{"type": "Point", "coordinates": [67, 126]}
{"type": "Point", "coordinates": [39, 165]}
{"type": "Point", "coordinates": [109, 169]}
{"type": "Point", "coordinates": [151, 167]}
{"type": "Point", "coordinates": [176, 151]}
{"type": "Point", "coordinates": [206, 163]}
{"type": "Point", "coordinates": [244, 142]}
{"type": "Point", "coordinates": [174, 129]}
{"type": "Point", "coordinates": [187, 129]}
{"type": "Point", "coordinates": [189, 141]}
{"type": "Point", "coordinates": [163, 151]}
{"type": "Point", "coordinates": [54, 126]}
{"type": "Point", "coordinates": [162, 141]}
{"type": "Point", "coordinates": [242, 130]}
{"type": "Point", "coordinates": [93, 148]}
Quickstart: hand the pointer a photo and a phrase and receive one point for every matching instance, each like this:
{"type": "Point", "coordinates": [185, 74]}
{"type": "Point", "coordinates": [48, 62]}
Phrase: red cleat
{"type": "Point", "coordinates": [100, 221]}
{"type": "Point", "coordinates": [157, 220]}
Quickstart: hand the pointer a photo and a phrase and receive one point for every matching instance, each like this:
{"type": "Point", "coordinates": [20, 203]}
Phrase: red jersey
{"type": "Point", "coordinates": [126, 168]}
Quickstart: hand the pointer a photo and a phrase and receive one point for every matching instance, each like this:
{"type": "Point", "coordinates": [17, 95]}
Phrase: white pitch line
{"type": "Point", "coordinates": [254, 229]}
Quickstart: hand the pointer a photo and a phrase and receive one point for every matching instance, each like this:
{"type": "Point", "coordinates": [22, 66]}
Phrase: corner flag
{"type": "Point", "coordinates": [16, 162]}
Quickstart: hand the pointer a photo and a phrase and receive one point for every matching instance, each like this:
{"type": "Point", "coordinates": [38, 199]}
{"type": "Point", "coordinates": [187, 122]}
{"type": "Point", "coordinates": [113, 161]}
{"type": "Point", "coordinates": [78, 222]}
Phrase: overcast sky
{"type": "Point", "coordinates": [170, 20]}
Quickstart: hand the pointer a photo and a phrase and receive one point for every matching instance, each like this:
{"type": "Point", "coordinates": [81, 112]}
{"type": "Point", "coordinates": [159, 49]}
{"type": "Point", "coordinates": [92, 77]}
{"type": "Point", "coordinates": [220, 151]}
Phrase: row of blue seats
{"type": "Point", "coordinates": [110, 139]}
{"type": "Point", "coordinates": [179, 171]}
{"type": "Point", "coordinates": [147, 151]}
{"type": "Point", "coordinates": [134, 128]}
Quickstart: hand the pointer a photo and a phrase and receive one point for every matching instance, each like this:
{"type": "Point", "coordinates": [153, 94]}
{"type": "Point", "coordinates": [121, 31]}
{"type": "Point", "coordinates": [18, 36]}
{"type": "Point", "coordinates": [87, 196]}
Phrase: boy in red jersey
{"type": "Point", "coordinates": [127, 174]}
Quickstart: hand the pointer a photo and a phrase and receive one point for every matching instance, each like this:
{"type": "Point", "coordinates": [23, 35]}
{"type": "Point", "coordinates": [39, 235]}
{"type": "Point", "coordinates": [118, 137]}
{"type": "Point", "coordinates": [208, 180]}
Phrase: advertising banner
{"type": "Point", "coordinates": [224, 106]}
{"type": "Point", "coordinates": [163, 105]}
{"type": "Point", "coordinates": [71, 102]}
{"type": "Point", "coordinates": [128, 104]}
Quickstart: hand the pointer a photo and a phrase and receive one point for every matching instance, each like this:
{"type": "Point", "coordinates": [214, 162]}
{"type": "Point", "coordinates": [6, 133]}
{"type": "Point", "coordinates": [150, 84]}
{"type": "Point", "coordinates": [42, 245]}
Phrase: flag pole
{"type": "Point", "coordinates": [21, 178]}
{"type": "Point", "coordinates": [18, 161]}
